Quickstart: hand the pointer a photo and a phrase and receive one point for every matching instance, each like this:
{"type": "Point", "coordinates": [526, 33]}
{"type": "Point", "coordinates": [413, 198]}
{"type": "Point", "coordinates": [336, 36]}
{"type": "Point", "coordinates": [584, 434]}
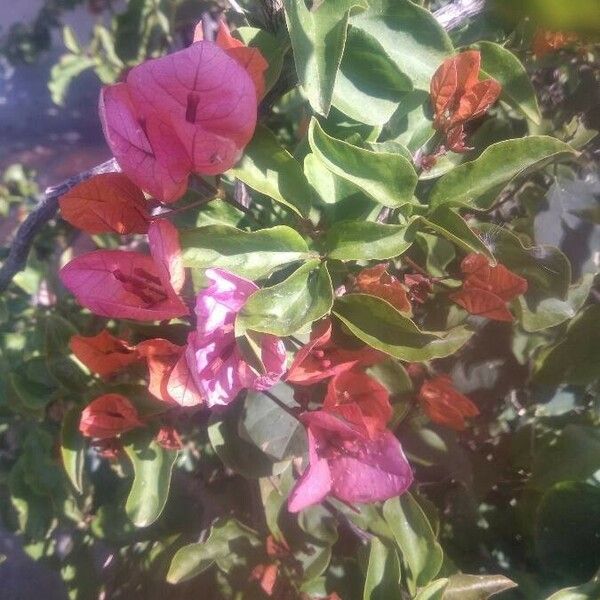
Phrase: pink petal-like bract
{"type": "Point", "coordinates": [192, 111]}
{"type": "Point", "coordinates": [122, 285]}
{"type": "Point", "coordinates": [213, 356]}
{"type": "Point", "coordinates": [163, 238]}
{"type": "Point", "coordinates": [360, 468]}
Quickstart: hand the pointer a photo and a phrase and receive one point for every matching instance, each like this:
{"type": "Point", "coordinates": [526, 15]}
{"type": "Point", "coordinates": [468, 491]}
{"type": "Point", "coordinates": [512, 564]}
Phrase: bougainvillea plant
{"type": "Point", "coordinates": [295, 344]}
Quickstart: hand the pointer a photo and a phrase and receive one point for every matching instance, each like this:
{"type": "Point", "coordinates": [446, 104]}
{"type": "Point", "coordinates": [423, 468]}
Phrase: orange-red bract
{"type": "Point", "coordinates": [359, 399]}
{"type": "Point", "coordinates": [106, 203]}
{"type": "Point", "coordinates": [546, 42]}
{"type": "Point", "coordinates": [458, 96]}
{"type": "Point", "coordinates": [378, 282]}
{"type": "Point", "coordinates": [250, 58]}
{"type": "Point", "coordinates": [168, 438]}
{"type": "Point", "coordinates": [445, 405]}
{"type": "Point", "coordinates": [107, 416]}
{"type": "Point", "coordinates": [486, 289]}
{"type": "Point", "coordinates": [170, 377]}
{"type": "Point", "coordinates": [104, 353]}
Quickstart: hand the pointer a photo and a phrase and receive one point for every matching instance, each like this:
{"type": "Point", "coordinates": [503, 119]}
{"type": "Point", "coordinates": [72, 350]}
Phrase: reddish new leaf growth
{"type": "Point", "coordinates": [445, 405]}
{"type": "Point", "coordinates": [250, 58]}
{"type": "Point", "coordinates": [104, 353]}
{"type": "Point", "coordinates": [107, 416]}
{"type": "Point", "coordinates": [360, 400]}
{"type": "Point", "coordinates": [376, 281]}
{"type": "Point", "coordinates": [106, 203]}
{"type": "Point", "coordinates": [546, 42]}
{"type": "Point", "coordinates": [266, 575]}
{"type": "Point", "coordinates": [321, 358]}
{"type": "Point", "coordinates": [458, 96]}
{"type": "Point", "coordinates": [192, 111]}
{"type": "Point", "coordinates": [486, 289]}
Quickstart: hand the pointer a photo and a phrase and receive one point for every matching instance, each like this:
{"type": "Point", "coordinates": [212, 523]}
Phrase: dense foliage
{"type": "Point", "coordinates": [331, 330]}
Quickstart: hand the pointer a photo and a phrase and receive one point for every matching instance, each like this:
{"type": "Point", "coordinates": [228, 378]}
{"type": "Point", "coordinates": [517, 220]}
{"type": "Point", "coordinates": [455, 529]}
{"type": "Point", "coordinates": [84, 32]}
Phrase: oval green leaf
{"type": "Point", "coordinates": [72, 448]}
{"type": "Point", "coordinates": [387, 178]}
{"type": "Point", "coordinates": [286, 307]}
{"type": "Point", "coordinates": [475, 184]}
{"type": "Point", "coordinates": [382, 327]}
{"type": "Point", "coordinates": [367, 240]}
{"type": "Point", "coordinates": [271, 170]}
{"type": "Point", "coordinates": [152, 466]}
{"type": "Point", "coordinates": [251, 254]}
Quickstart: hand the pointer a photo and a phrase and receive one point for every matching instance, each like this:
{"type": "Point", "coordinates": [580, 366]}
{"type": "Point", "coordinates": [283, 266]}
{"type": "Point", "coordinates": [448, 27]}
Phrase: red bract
{"type": "Point", "coordinates": [266, 575]}
{"type": "Point", "coordinates": [458, 96]}
{"type": "Point", "coordinates": [250, 58]}
{"type": "Point", "coordinates": [130, 285]}
{"type": "Point", "coordinates": [104, 353]}
{"type": "Point", "coordinates": [170, 378]}
{"type": "Point", "coordinates": [107, 416]}
{"type": "Point", "coordinates": [487, 289]}
{"type": "Point", "coordinates": [378, 282]}
{"type": "Point", "coordinates": [445, 405]}
{"type": "Point", "coordinates": [546, 42]}
{"type": "Point", "coordinates": [419, 287]}
{"type": "Point", "coordinates": [321, 358]}
{"type": "Point", "coordinates": [192, 111]}
{"type": "Point", "coordinates": [168, 438]}
{"type": "Point", "coordinates": [346, 463]}
{"type": "Point", "coordinates": [360, 400]}
{"type": "Point", "coordinates": [106, 203]}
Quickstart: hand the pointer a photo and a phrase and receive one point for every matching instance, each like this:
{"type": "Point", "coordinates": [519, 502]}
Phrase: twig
{"type": "Point", "coordinates": [42, 214]}
{"type": "Point", "coordinates": [450, 17]}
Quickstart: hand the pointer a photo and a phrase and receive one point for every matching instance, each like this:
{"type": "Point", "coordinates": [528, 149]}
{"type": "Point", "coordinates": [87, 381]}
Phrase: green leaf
{"type": "Point", "coordinates": [574, 456]}
{"type": "Point", "coordinates": [387, 178]}
{"type": "Point", "coordinates": [72, 448]}
{"type": "Point", "coordinates": [567, 530]}
{"type": "Point", "coordinates": [329, 187]}
{"type": "Point", "coordinates": [382, 327]}
{"type": "Point", "coordinates": [546, 268]}
{"type": "Point", "coordinates": [506, 68]}
{"type": "Point", "coordinates": [415, 538]}
{"type": "Point", "coordinates": [437, 253]}
{"type": "Point", "coordinates": [70, 40]}
{"type": "Point", "coordinates": [391, 147]}
{"type": "Point", "coordinates": [152, 466]}
{"type": "Point", "coordinates": [251, 254]}
{"type": "Point", "coordinates": [225, 540]}
{"type": "Point", "coordinates": [270, 47]}
{"type": "Point", "coordinates": [433, 591]}
{"type": "Point", "coordinates": [271, 428]}
{"type": "Point", "coordinates": [318, 37]}
{"type": "Point", "coordinates": [553, 311]}
{"type": "Point", "coordinates": [367, 240]}
{"type": "Point", "coordinates": [270, 169]}
{"type": "Point", "coordinates": [587, 591]}
{"type": "Point", "coordinates": [475, 184]}
{"type": "Point", "coordinates": [63, 72]}
{"type": "Point", "coordinates": [285, 308]}
{"type": "Point", "coordinates": [236, 453]}
{"type": "Point", "coordinates": [314, 559]}
{"type": "Point", "coordinates": [369, 85]}
{"type": "Point", "coordinates": [450, 225]}
{"type": "Point", "coordinates": [383, 572]}
{"type": "Point", "coordinates": [476, 587]}
{"type": "Point", "coordinates": [410, 35]}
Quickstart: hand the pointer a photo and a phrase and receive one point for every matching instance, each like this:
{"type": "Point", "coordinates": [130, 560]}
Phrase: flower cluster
{"type": "Point", "coordinates": [193, 112]}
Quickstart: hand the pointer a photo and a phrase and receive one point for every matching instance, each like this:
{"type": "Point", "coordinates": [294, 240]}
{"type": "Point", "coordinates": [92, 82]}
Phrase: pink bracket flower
{"type": "Point", "coordinates": [214, 359]}
{"type": "Point", "coordinates": [192, 111]}
{"type": "Point", "coordinates": [131, 285]}
{"type": "Point", "coordinates": [346, 463]}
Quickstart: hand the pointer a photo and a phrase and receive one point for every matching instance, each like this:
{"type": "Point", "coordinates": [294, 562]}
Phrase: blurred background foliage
{"type": "Point", "coordinates": [518, 494]}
